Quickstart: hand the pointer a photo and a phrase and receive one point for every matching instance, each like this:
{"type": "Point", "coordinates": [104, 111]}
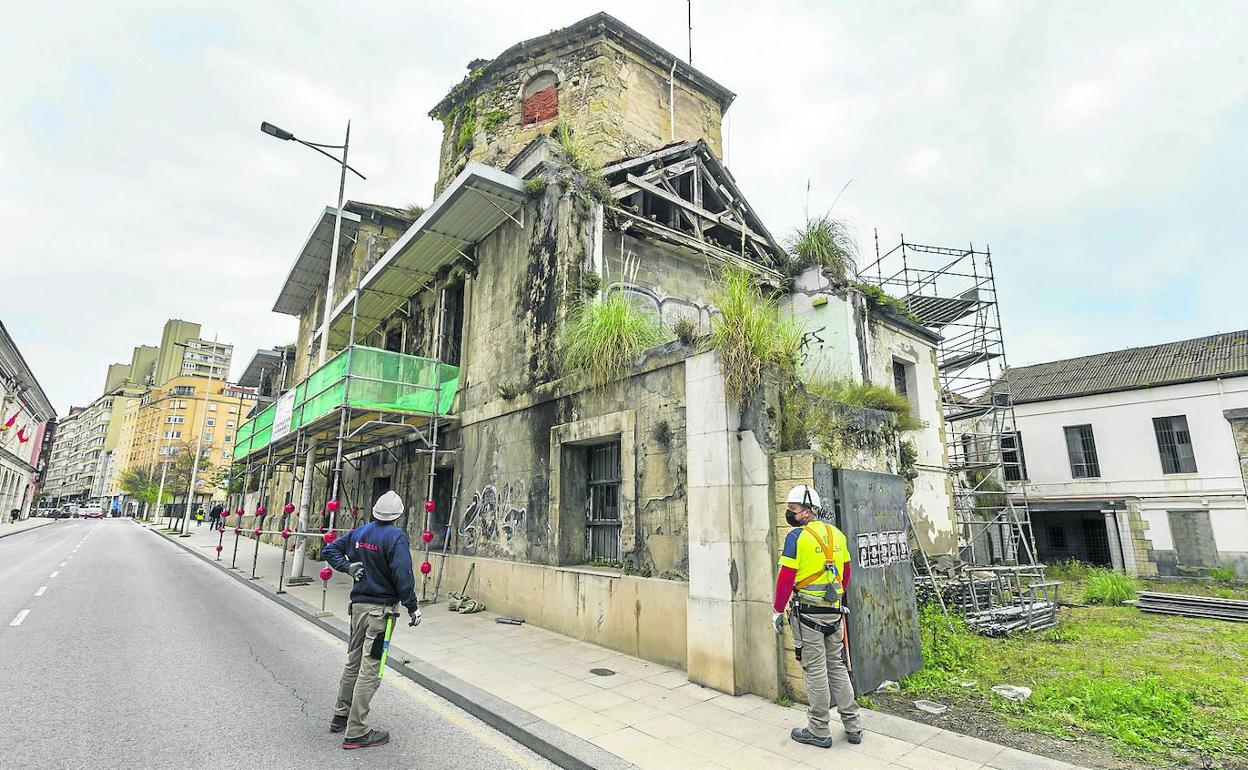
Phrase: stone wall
{"type": "Point", "coordinates": [615, 99]}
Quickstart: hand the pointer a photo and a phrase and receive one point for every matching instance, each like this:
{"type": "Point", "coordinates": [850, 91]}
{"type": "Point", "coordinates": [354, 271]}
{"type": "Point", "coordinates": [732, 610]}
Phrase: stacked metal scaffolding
{"type": "Point", "coordinates": [952, 292]}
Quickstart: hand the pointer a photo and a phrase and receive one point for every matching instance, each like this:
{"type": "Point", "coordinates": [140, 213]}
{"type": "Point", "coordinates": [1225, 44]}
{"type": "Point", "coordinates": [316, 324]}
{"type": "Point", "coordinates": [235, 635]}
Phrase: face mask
{"type": "Point", "coordinates": [791, 518]}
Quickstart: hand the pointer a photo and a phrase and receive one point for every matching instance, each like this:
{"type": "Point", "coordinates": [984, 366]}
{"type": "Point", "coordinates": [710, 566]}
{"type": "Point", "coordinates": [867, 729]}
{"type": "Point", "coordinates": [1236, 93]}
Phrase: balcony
{"type": "Point", "coordinates": [385, 396]}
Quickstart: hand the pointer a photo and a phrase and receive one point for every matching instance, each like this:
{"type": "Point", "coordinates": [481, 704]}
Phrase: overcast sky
{"type": "Point", "coordinates": [1100, 149]}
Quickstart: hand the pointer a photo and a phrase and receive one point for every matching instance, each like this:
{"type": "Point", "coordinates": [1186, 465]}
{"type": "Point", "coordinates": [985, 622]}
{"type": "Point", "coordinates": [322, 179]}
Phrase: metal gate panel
{"type": "Point", "coordinates": [883, 624]}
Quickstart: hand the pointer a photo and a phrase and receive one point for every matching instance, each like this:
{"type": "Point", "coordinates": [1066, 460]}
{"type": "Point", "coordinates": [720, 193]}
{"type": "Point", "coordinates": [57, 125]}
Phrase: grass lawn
{"type": "Point", "coordinates": [1155, 690]}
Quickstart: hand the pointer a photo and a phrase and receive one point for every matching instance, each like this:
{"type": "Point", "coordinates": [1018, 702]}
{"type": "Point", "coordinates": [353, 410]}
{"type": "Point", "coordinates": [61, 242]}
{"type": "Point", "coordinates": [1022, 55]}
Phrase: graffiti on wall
{"type": "Point", "coordinates": [494, 515]}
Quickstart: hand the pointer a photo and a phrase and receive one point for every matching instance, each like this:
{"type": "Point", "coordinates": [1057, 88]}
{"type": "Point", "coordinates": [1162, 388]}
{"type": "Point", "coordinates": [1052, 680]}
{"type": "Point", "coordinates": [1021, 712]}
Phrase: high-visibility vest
{"type": "Point", "coordinates": [821, 555]}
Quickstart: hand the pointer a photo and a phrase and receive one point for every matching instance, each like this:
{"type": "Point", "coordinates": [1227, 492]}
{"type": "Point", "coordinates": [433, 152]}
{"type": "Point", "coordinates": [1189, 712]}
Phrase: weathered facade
{"type": "Point", "coordinates": [640, 512]}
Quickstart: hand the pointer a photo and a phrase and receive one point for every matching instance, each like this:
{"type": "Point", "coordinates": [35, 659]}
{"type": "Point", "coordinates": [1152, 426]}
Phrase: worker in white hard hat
{"type": "Point", "coordinates": [379, 559]}
{"type": "Point", "coordinates": [814, 572]}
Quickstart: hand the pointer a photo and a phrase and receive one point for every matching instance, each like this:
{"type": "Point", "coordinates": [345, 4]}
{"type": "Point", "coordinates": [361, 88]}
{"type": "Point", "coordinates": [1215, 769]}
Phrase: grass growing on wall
{"type": "Point", "coordinates": [750, 335]}
{"type": "Point", "coordinates": [820, 413]}
{"type": "Point", "coordinates": [605, 335]}
{"type": "Point", "coordinates": [828, 243]}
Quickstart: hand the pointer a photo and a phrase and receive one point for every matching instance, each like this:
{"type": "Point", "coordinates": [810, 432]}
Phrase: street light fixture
{"type": "Point", "coordinates": [286, 136]}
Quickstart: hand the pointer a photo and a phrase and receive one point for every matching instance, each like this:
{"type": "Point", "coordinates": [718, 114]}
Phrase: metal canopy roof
{"type": "Point", "coordinates": [263, 359]}
{"type": "Point", "coordinates": [479, 200]}
{"type": "Point", "coordinates": [310, 272]}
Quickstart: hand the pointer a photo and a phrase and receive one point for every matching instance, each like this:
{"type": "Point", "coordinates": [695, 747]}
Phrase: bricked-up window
{"type": "Point", "coordinates": [541, 99]}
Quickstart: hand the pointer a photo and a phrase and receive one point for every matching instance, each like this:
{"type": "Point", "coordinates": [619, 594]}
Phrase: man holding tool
{"type": "Point", "coordinates": [378, 558]}
{"type": "Point", "coordinates": [814, 570]}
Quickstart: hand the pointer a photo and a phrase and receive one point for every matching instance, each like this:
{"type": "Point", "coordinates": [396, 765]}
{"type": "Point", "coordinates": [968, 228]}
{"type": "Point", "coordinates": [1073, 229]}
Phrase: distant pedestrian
{"type": "Point", "coordinates": [199, 517]}
{"type": "Point", "coordinates": [379, 559]}
{"type": "Point", "coordinates": [214, 514]}
{"type": "Point", "coordinates": [13, 514]}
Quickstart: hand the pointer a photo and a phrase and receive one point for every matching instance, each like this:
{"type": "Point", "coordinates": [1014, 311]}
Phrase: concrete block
{"type": "Point", "coordinates": [707, 461]}
{"type": "Point", "coordinates": [709, 567]}
{"type": "Point", "coordinates": [711, 652]}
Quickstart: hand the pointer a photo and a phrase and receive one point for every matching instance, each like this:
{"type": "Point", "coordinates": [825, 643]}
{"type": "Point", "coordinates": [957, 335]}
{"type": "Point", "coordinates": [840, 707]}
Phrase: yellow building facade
{"type": "Point", "coordinates": [168, 418]}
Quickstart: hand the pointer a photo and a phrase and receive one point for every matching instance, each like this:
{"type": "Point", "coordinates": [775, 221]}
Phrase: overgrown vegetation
{"type": "Point", "coordinates": [828, 416]}
{"type": "Point", "coordinates": [827, 243]}
{"type": "Point", "coordinates": [1107, 586]}
{"type": "Point", "coordinates": [750, 335]}
{"type": "Point", "coordinates": [686, 330]}
{"type": "Point", "coordinates": [884, 302]}
{"type": "Point", "coordinates": [581, 175]}
{"type": "Point", "coordinates": [535, 187]}
{"type": "Point", "coordinates": [605, 335]}
{"type": "Point", "coordinates": [1223, 574]}
{"type": "Point", "coordinates": [1158, 691]}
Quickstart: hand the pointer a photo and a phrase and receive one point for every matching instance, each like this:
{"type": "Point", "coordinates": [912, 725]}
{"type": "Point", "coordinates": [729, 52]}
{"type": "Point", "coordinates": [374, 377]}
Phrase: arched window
{"type": "Point", "coordinates": [541, 99]}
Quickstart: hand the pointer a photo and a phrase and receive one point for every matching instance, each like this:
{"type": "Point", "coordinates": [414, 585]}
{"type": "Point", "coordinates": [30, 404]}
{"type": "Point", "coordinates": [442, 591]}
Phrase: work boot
{"type": "Point", "coordinates": [854, 738]}
{"type": "Point", "coordinates": [337, 724]}
{"type": "Point", "coordinates": [802, 735]}
{"type": "Point", "coordinates": [371, 738]}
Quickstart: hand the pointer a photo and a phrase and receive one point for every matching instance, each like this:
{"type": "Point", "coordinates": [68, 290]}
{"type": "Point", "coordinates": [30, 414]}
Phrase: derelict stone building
{"type": "Point", "coordinates": [641, 512]}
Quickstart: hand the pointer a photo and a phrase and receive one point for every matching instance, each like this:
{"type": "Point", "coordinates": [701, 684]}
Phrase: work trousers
{"type": "Point", "coordinates": [826, 676]}
{"type": "Point", "coordinates": [361, 676]}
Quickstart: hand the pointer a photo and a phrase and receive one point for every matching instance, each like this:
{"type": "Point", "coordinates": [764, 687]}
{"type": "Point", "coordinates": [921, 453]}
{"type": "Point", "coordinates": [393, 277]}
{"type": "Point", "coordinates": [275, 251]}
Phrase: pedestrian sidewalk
{"type": "Point", "coordinates": [22, 525]}
{"type": "Point", "coordinates": [646, 714]}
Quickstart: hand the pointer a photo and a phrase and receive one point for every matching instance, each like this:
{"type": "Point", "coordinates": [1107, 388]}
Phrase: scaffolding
{"type": "Point", "coordinates": [996, 578]}
{"type": "Point", "coordinates": [362, 398]}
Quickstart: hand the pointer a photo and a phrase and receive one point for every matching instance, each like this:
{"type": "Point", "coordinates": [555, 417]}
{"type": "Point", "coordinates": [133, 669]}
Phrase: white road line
{"type": "Point", "coordinates": [62, 564]}
{"type": "Point", "coordinates": [17, 621]}
{"type": "Point", "coordinates": [54, 574]}
{"type": "Point", "coordinates": [41, 590]}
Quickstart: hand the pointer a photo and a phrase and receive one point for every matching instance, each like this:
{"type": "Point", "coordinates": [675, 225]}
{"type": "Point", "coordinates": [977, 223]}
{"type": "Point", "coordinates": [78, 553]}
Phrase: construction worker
{"type": "Point", "coordinates": [378, 558]}
{"type": "Point", "coordinates": [814, 571]}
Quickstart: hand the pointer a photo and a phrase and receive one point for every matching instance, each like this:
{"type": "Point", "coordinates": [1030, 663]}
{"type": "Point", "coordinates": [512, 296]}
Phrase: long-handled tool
{"type": "Point", "coordinates": [385, 644]}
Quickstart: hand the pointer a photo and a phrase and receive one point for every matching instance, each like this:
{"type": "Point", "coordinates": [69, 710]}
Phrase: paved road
{"type": "Point", "coordinates": [118, 649]}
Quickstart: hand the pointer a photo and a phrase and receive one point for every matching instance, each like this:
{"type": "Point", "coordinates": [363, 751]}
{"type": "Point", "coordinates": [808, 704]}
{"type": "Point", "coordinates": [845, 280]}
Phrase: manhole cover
{"type": "Point", "coordinates": [602, 672]}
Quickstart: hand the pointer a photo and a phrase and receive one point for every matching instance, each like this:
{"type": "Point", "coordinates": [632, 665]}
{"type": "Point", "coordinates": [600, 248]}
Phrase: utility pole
{"type": "Point", "coordinates": [199, 441]}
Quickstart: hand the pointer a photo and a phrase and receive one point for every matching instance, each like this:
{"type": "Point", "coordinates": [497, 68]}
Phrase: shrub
{"type": "Point", "coordinates": [865, 395]}
{"type": "Point", "coordinates": [604, 336]}
{"type": "Point", "coordinates": [534, 187]}
{"type": "Point", "coordinates": [885, 303]}
{"type": "Point", "coordinates": [686, 330]}
{"type": "Point", "coordinates": [1069, 569]}
{"type": "Point", "coordinates": [1105, 586]}
{"type": "Point", "coordinates": [828, 243]}
{"type": "Point", "coordinates": [582, 177]}
{"type": "Point", "coordinates": [1223, 574]}
{"type": "Point", "coordinates": [749, 334]}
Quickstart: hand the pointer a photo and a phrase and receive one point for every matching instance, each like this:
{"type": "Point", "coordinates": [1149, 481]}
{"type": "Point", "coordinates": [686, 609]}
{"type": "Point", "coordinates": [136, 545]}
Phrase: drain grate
{"type": "Point", "coordinates": [602, 672]}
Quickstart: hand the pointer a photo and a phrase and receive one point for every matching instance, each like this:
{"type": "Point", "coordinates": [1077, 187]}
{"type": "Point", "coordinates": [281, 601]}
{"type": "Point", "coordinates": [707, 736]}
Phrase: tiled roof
{"type": "Point", "coordinates": [1205, 358]}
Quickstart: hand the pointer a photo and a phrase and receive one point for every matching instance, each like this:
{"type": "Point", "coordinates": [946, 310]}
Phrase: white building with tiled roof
{"type": "Point", "coordinates": [1136, 458]}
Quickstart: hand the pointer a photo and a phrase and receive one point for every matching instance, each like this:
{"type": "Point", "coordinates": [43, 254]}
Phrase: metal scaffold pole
{"type": "Point", "coordinates": [426, 531]}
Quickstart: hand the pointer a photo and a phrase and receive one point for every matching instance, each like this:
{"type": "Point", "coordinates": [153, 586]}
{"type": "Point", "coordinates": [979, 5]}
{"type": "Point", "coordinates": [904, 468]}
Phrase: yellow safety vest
{"type": "Point", "coordinates": [819, 562]}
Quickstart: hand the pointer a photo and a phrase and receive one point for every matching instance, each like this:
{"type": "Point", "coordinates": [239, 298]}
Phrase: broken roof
{"type": "Point", "coordinates": [599, 25]}
{"type": "Point", "coordinates": [1170, 363]}
{"type": "Point", "coordinates": [310, 273]}
{"type": "Point", "coordinates": [709, 208]}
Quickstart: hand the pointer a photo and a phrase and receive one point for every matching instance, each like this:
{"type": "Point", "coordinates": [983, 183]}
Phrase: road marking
{"type": "Point", "coordinates": [54, 574]}
{"type": "Point", "coordinates": [17, 621]}
{"type": "Point", "coordinates": [62, 564]}
{"type": "Point", "coordinates": [41, 590]}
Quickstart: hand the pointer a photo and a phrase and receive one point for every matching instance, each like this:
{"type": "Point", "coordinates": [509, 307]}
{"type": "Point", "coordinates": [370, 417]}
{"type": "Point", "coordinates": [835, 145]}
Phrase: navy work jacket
{"type": "Point", "coordinates": [383, 549]}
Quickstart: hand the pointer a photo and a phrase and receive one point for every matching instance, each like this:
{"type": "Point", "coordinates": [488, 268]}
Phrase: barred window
{"type": "Point", "coordinates": [1174, 443]}
{"type": "Point", "coordinates": [603, 515]}
{"type": "Point", "coordinates": [1081, 446]}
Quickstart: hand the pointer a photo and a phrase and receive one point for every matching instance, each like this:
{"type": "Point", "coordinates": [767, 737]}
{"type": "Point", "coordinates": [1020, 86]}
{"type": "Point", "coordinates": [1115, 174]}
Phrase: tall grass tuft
{"type": "Point", "coordinates": [1223, 574]}
{"type": "Point", "coordinates": [604, 336]}
{"type": "Point", "coordinates": [1106, 586]}
{"type": "Point", "coordinates": [828, 243]}
{"type": "Point", "coordinates": [750, 335]}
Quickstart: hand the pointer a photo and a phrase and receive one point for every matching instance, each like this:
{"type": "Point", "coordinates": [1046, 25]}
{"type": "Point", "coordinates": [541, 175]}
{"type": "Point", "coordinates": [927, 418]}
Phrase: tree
{"type": "Point", "coordinates": [228, 479]}
{"type": "Point", "coordinates": [144, 485]}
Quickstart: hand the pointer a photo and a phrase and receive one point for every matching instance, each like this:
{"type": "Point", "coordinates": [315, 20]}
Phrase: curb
{"type": "Point", "coordinates": [26, 529]}
{"type": "Point", "coordinates": [543, 738]}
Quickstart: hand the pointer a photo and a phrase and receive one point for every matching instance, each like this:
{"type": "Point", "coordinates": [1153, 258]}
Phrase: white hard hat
{"type": "Point", "coordinates": [388, 507]}
{"type": "Point", "coordinates": [804, 494]}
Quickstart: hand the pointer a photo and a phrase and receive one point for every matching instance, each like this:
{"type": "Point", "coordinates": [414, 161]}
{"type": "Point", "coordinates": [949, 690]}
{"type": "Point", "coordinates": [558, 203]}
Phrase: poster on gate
{"type": "Point", "coordinates": [283, 412]}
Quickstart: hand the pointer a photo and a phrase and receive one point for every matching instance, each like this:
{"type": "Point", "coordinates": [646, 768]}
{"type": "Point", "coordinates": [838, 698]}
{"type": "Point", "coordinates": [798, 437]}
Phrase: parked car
{"type": "Point", "coordinates": [93, 512]}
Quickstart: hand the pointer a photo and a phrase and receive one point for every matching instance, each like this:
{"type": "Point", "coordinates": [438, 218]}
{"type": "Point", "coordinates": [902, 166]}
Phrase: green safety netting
{"type": "Point", "coordinates": [363, 378]}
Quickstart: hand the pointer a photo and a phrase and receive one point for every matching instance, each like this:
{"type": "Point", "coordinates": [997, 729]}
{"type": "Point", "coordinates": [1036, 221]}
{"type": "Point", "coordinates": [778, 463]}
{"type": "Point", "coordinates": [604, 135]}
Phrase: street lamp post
{"type": "Point", "coordinates": [287, 136]}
